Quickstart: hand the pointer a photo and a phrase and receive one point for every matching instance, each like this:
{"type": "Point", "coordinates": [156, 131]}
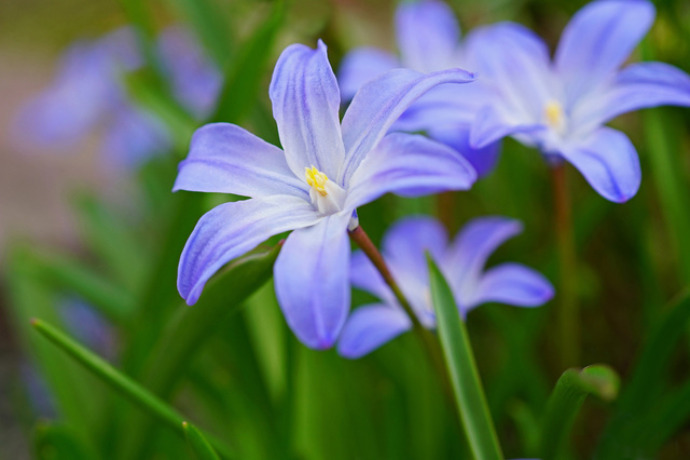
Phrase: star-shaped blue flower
{"type": "Point", "coordinates": [561, 106]}
{"type": "Point", "coordinates": [462, 263]}
{"type": "Point", "coordinates": [314, 185]}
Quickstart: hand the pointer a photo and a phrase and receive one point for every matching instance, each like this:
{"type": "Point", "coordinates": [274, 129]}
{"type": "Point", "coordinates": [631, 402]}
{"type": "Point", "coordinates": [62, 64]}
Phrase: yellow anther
{"type": "Point", "coordinates": [316, 179]}
{"type": "Point", "coordinates": [554, 114]}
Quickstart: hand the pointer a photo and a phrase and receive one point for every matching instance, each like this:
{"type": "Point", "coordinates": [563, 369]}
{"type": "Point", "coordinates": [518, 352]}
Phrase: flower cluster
{"type": "Point", "coordinates": [329, 167]}
{"type": "Point", "coordinates": [89, 93]}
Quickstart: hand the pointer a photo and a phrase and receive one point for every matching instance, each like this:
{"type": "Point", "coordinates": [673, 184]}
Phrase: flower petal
{"type": "Point", "coordinates": [225, 158]}
{"type": "Point", "coordinates": [379, 103]}
{"type": "Point", "coordinates": [362, 65]}
{"type": "Point", "coordinates": [469, 252]}
{"type": "Point", "coordinates": [515, 62]}
{"type": "Point", "coordinates": [312, 282]}
{"type": "Point", "coordinates": [609, 162]}
{"type": "Point", "coordinates": [428, 35]}
{"type": "Point", "coordinates": [408, 165]}
{"type": "Point", "coordinates": [364, 276]}
{"type": "Point", "coordinates": [491, 125]}
{"type": "Point", "coordinates": [597, 40]}
{"type": "Point", "coordinates": [369, 327]}
{"type": "Point", "coordinates": [231, 229]}
{"type": "Point", "coordinates": [133, 137]}
{"type": "Point", "coordinates": [513, 284]}
{"type": "Point", "coordinates": [306, 103]}
{"type": "Point", "coordinates": [483, 160]}
{"type": "Point", "coordinates": [638, 86]}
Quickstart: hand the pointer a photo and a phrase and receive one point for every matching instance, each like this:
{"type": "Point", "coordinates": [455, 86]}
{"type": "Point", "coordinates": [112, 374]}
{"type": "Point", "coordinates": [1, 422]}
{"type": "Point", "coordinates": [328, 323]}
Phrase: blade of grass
{"type": "Point", "coordinates": [469, 395]}
{"type": "Point", "coordinates": [565, 402]}
{"type": "Point", "coordinates": [197, 442]}
{"type": "Point", "coordinates": [115, 379]}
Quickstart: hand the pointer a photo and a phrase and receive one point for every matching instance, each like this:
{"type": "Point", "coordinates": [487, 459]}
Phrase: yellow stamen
{"type": "Point", "coordinates": [554, 113]}
{"type": "Point", "coordinates": [316, 179]}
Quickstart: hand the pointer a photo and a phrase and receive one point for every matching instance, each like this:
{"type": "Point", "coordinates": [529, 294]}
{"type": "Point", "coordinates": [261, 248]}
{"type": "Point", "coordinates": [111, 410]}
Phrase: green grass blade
{"type": "Point", "coordinates": [208, 22]}
{"type": "Point", "coordinates": [566, 400]}
{"type": "Point", "coordinates": [628, 430]}
{"type": "Point", "coordinates": [197, 442]}
{"type": "Point", "coordinates": [469, 395]}
{"type": "Point", "coordinates": [53, 441]}
{"type": "Point", "coordinates": [244, 76]}
{"type": "Point", "coordinates": [114, 378]}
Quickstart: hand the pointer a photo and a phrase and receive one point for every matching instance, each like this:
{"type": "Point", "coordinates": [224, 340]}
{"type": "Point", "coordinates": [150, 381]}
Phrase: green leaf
{"type": "Point", "coordinates": [53, 441]}
{"type": "Point", "coordinates": [200, 447]}
{"type": "Point", "coordinates": [208, 22]}
{"type": "Point", "coordinates": [628, 430]}
{"type": "Point", "coordinates": [189, 329]}
{"type": "Point", "coordinates": [109, 237]}
{"type": "Point", "coordinates": [115, 379]}
{"type": "Point", "coordinates": [243, 77]}
{"type": "Point", "coordinates": [469, 395]}
{"type": "Point", "coordinates": [66, 274]}
{"type": "Point", "coordinates": [566, 400]}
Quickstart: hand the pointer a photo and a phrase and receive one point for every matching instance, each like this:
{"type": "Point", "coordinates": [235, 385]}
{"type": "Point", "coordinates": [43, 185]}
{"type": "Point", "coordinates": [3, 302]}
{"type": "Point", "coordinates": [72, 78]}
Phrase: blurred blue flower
{"type": "Point", "coordinates": [327, 170]}
{"type": "Point", "coordinates": [88, 94]}
{"type": "Point", "coordinates": [561, 107]}
{"type": "Point", "coordinates": [462, 263]}
{"type": "Point", "coordinates": [88, 326]}
{"type": "Point", "coordinates": [428, 39]}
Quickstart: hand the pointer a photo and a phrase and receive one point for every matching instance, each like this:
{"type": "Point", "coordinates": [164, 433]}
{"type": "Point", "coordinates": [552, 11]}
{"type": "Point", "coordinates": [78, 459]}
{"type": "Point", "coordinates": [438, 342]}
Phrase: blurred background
{"type": "Point", "coordinates": [634, 258]}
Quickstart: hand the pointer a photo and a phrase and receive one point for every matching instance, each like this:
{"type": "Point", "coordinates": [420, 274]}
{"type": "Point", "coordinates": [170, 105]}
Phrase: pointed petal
{"type": "Point", "coordinates": [609, 162]}
{"type": "Point", "coordinates": [472, 247]}
{"type": "Point", "coordinates": [483, 160]}
{"type": "Point", "coordinates": [362, 65]}
{"type": "Point", "coordinates": [231, 229]}
{"type": "Point", "coordinates": [598, 39]}
{"type": "Point", "coordinates": [513, 284]}
{"type": "Point", "coordinates": [225, 158]}
{"type": "Point", "coordinates": [405, 244]}
{"type": "Point", "coordinates": [379, 103]}
{"type": "Point", "coordinates": [306, 103]}
{"type": "Point", "coordinates": [408, 165]}
{"type": "Point", "coordinates": [638, 86]}
{"type": "Point", "coordinates": [364, 276]}
{"type": "Point", "coordinates": [491, 125]}
{"type": "Point", "coordinates": [369, 327]}
{"type": "Point", "coordinates": [515, 63]}
{"type": "Point", "coordinates": [312, 282]}
{"type": "Point", "coordinates": [428, 35]}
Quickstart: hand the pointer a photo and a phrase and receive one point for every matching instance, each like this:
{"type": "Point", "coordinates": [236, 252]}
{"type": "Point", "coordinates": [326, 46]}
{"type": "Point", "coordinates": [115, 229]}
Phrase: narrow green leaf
{"type": "Point", "coordinates": [189, 329]}
{"type": "Point", "coordinates": [109, 237]}
{"type": "Point", "coordinates": [64, 273]}
{"type": "Point", "coordinates": [467, 387]}
{"type": "Point", "coordinates": [200, 447]}
{"type": "Point", "coordinates": [566, 400]}
{"type": "Point", "coordinates": [628, 430]}
{"type": "Point", "coordinates": [114, 378]}
{"type": "Point", "coordinates": [207, 21]}
{"type": "Point", "coordinates": [52, 441]}
{"type": "Point", "coordinates": [244, 76]}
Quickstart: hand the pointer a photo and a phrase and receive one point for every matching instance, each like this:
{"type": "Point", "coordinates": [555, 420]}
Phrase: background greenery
{"type": "Point", "coordinates": [230, 366]}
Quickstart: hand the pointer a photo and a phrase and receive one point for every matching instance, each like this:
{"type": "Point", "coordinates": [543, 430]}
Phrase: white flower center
{"type": "Point", "coordinates": [554, 116]}
{"type": "Point", "coordinates": [326, 196]}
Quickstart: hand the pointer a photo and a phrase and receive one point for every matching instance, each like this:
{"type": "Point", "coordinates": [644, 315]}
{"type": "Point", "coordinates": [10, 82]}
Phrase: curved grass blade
{"type": "Point", "coordinates": [469, 395]}
{"type": "Point", "coordinates": [565, 402]}
{"type": "Point", "coordinates": [197, 442]}
{"type": "Point", "coordinates": [115, 379]}
{"type": "Point", "coordinates": [243, 77]}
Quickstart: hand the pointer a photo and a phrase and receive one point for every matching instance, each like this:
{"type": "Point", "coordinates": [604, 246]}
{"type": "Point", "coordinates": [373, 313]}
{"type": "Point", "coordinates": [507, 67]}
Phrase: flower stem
{"type": "Point", "coordinates": [428, 341]}
{"type": "Point", "coordinates": [568, 319]}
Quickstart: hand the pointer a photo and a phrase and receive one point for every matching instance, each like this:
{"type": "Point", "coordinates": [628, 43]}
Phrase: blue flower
{"type": "Point", "coordinates": [327, 170]}
{"type": "Point", "coordinates": [428, 39]}
{"type": "Point", "coordinates": [88, 94]}
{"type": "Point", "coordinates": [561, 106]}
{"type": "Point", "coordinates": [462, 263]}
